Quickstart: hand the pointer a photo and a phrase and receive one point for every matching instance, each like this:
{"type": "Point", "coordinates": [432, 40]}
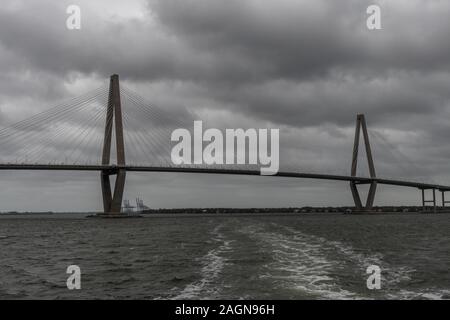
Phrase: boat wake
{"type": "Point", "coordinates": [316, 266]}
{"type": "Point", "coordinates": [213, 263]}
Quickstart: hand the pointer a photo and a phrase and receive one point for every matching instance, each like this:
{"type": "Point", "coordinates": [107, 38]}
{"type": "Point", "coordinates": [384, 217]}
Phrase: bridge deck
{"type": "Point", "coordinates": [114, 168]}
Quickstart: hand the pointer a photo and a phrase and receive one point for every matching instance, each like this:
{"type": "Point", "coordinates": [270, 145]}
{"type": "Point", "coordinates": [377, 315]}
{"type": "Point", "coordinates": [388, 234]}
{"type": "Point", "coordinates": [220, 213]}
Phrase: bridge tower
{"type": "Point", "coordinates": [112, 202]}
{"type": "Point", "coordinates": [361, 124]}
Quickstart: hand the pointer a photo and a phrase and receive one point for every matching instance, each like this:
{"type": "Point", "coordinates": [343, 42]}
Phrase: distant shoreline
{"type": "Point", "coordinates": [286, 210]}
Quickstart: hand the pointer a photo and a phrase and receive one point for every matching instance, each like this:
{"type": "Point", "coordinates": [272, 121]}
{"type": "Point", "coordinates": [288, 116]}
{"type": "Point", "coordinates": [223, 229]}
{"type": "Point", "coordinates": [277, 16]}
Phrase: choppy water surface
{"type": "Point", "coordinates": [226, 257]}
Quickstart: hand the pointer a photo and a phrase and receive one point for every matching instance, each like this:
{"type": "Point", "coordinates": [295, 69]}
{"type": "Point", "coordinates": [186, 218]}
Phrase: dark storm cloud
{"type": "Point", "coordinates": [307, 67]}
{"type": "Point", "coordinates": [296, 57]}
{"type": "Point", "coordinates": [306, 38]}
{"type": "Point", "coordinates": [314, 62]}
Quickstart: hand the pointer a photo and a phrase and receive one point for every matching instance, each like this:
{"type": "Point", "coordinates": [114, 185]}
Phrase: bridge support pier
{"type": "Point", "coordinates": [357, 199]}
{"type": "Point", "coordinates": [361, 124]}
{"type": "Point", "coordinates": [112, 202]}
{"type": "Point", "coordinates": [444, 202]}
{"type": "Point", "coordinates": [433, 200]}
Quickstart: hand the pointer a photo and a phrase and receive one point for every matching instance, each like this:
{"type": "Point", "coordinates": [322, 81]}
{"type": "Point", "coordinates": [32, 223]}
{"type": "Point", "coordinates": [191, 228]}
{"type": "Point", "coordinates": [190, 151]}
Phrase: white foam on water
{"type": "Point", "coordinates": [311, 263]}
{"type": "Point", "coordinates": [213, 264]}
{"type": "Point", "coordinates": [391, 276]}
{"type": "Point", "coordinates": [301, 263]}
{"type": "Point", "coordinates": [428, 294]}
{"type": "Point", "coordinates": [308, 263]}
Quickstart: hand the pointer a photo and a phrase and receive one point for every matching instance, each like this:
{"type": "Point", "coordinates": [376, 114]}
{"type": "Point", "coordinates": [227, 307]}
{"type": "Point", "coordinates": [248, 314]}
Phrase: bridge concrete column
{"type": "Point", "coordinates": [433, 200]}
{"type": "Point", "coordinates": [444, 202]}
{"type": "Point", "coordinates": [112, 202]}
{"type": "Point", "coordinates": [106, 191]}
{"type": "Point", "coordinates": [361, 125]}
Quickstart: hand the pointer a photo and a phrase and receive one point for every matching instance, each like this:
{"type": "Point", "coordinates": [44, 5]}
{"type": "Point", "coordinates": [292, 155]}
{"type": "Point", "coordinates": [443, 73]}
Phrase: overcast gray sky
{"type": "Point", "coordinates": [306, 67]}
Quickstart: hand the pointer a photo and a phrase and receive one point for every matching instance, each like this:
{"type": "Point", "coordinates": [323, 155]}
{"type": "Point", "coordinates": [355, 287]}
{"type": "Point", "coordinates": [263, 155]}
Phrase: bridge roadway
{"type": "Point", "coordinates": [115, 168]}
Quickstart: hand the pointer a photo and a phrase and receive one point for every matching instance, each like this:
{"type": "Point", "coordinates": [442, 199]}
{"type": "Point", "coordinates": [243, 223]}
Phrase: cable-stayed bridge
{"type": "Point", "coordinates": [113, 130]}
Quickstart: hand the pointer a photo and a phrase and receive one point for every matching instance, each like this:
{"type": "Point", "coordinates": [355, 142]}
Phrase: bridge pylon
{"type": "Point", "coordinates": [361, 125]}
{"type": "Point", "coordinates": [112, 202]}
